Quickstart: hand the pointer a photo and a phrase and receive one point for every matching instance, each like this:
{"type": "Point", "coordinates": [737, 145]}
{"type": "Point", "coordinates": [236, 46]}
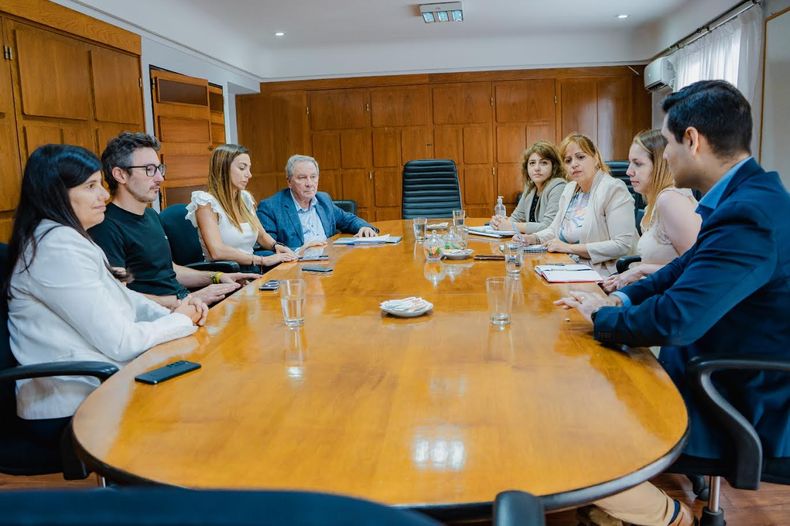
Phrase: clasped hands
{"type": "Point", "coordinates": [587, 303]}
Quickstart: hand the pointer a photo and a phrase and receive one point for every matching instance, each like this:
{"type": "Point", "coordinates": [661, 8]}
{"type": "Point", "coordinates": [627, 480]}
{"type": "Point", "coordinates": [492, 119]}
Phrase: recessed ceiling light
{"type": "Point", "coordinates": [622, 17]}
{"type": "Point", "coordinates": [279, 34]}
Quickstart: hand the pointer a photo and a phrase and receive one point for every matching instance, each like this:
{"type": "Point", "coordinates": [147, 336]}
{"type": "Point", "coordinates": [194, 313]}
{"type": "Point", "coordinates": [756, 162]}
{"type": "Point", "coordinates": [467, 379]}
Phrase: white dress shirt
{"type": "Point", "coordinates": [66, 306]}
{"type": "Point", "coordinates": [312, 228]}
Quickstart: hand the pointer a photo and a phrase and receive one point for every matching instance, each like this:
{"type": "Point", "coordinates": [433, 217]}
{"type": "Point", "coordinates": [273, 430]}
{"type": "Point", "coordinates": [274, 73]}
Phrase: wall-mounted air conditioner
{"type": "Point", "coordinates": [659, 73]}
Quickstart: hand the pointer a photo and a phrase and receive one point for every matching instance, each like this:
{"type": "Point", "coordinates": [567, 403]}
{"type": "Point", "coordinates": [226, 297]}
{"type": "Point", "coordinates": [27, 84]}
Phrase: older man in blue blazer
{"type": "Point", "coordinates": [730, 293]}
{"type": "Point", "coordinates": [300, 215]}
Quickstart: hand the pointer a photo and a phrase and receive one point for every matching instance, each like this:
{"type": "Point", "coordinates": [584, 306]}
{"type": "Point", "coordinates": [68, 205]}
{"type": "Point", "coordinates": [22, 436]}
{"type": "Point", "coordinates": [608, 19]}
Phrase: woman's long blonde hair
{"type": "Point", "coordinates": [547, 151]}
{"type": "Point", "coordinates": [220, 186]}
{"type": "Point", "coordinates": [654, 143]}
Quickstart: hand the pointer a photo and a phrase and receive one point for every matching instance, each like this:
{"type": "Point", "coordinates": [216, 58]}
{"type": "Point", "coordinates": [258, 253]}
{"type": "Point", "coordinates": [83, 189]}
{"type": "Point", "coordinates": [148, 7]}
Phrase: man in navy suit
{"type": "Point", "coordinates": [300, 215]}
{"type": "Point", "coordinates": [730, 293]}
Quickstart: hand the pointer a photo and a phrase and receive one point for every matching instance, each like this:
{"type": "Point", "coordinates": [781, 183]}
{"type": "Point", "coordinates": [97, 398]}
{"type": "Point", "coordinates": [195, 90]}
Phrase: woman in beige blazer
{"type": "Point", "coordinates": [544, 180]}
{"type": "Point", "coordinates": [596, 212]}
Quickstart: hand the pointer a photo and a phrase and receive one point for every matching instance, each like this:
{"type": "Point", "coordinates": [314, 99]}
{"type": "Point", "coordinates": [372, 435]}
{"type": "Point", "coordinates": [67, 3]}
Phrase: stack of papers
{"type": "Point", "coordinates": [490, 232]}
{"type": "Point", "coordinates": [437, 226]}
{"type": "Point", "coordinates": [560, 273]}
{"type": "Point", "coordinates": [375, 240]}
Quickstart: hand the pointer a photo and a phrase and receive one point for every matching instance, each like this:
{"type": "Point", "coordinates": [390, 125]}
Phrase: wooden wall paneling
{"type": "Point", "coordinates": [117, 97]}
{"type": "Point", "coordinates": [524, 101]}
{"type": "Point", "coordinates": [477, 144]}
{"type": "Point", "coordinates": [10, 162]}
{"type": "Point", "coordinates": [448, 143]}
{"type": "Point", "coordinates": [511, 140]}
{"type": "Point", "coordinates": [255, 129]}
{"type": "Point", "coordinates": [466, 103]}
{"type": "Point", "coordinates": [386, 147]}
{"type": "Point", "coordinates": [39, 134]}
{"type": "Point", "coordinates": [180, 194]}
{"type": "Point", "coordinates": [387, 187]}
{"type": "Point", "coordinates": [400, 106]}
{"type": "Point", "coordinates": [510, 183]}
{"type": "Point", "coordinates": [385, 214]}
{"type": "Point", "coordinates": [416, 143]}
{"type": "Point", "coordinates": [541, 132]}
{"type": "Point", "coordinates": [217, 134]}
{"type": "Point", "coordinates": [189, 169]}
{"type": "Point", "coordinates": [615, 117]}
{"type": "Point", "coordinates": [80, 135]}
{"type": "Point", "coordinates": [356, 149]}
{"type": "Point", "coordinates": [263, 185]}
{"type": "Point", "coordinates": [642, 102]}
{"type": "Point", "coordinates": [357, 186]}
{"type": "Point", "coordinates": [173, 129]}
{"type": "Point", "coordinates": [579, 108]}
{"type": "Point", "coordinates": [326, 150]}
{"type": "Point", "coordinates": [331, 182]}
{"type": "Point", "coordinates": [291, 126]}
{"type": "Point", "coordinates": [339, 109]}
{"type": "Point", "coordinates": [54, 76]}
{"type": "Point", "coordinates": [216, 107]}
{"type": "Point", "coordinates": [479, 185]}
{"type": "Point", "coordinates": [106, 131]}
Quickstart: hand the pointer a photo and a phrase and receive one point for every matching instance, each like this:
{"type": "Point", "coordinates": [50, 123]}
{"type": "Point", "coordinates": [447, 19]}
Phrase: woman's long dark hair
{"type": "Point", "coordinates": [51, 171]}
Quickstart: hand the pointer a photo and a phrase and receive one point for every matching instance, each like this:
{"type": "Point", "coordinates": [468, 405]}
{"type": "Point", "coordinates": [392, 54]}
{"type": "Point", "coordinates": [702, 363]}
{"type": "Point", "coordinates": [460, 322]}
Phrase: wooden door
{"type": "Point", "coordinates": [216, 106]}
{"type": "Point", "coordinates": [10, 167]}
{"type": "Point", "coordinates": [524, 112]}
{"type": "Point", "coordinates": [182, 123]}
{"type": "Point", "coordinates": [463, 132]}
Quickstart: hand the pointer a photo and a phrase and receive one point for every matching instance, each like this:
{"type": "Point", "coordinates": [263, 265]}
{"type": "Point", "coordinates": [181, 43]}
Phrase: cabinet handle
{"type": "Point", "coordinates": [370, 175]}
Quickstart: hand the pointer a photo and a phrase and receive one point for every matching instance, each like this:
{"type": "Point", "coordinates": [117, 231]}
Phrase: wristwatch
{"type": "Point", "coordinates": [274, 246]}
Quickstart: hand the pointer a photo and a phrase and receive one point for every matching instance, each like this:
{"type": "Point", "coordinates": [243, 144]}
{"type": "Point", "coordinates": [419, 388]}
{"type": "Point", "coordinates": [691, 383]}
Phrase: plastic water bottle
{"type": "Point", "coordinates": [499, 209]}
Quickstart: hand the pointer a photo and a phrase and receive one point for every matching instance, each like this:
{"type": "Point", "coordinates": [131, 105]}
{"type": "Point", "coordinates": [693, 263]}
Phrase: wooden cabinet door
{"type": "Point", "coordinates": [615, 117]}
{"type": "Point", "coordinates": [216, 106]}
{"type": "Point", "coordinates": [463, 103]}
{"type": "Point", "coordinates": [117, 97]}
{"type": "Point", "coordinates": [182, 122]}
{"type": "Point", "coordinates": [291, 127]}
{"type": "Point", "coordinates": [54, 74]}
{"type": "Point", "coordinates": [579, 105]}
{"type": "Point", "coordinates": [10, 168]}
{"type": "Point", "coordinates": [400, 106]}
{"type": "Point", "coordinates": [339, 109]}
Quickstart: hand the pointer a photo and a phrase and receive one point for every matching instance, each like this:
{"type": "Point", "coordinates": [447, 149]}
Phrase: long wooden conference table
{"type": "Point", "coordinates": [438, 412]}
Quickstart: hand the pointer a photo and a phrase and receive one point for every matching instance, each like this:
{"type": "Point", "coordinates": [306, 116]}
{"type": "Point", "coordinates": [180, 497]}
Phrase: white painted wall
{"type": "Point", "coordinates": [686, 19]}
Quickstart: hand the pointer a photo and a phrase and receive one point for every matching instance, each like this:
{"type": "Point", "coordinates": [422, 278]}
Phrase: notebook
{"type": "Point", "coordinates": [490, 232]}
{"type": "Point", "coordinates": [571, 273]}
{"type": "Point", "coordinates": [375, 240]}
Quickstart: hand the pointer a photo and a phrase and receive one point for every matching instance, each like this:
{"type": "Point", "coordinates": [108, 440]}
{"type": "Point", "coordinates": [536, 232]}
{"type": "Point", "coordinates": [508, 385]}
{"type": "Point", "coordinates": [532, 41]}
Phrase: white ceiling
{"type": "Point", "coordinates": [355, 37]}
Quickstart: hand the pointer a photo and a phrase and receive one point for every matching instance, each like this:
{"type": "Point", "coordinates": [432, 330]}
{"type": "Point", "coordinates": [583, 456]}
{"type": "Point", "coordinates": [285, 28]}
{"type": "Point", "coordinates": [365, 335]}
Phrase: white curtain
{"type": "Point", "coordinates": [731, 52]}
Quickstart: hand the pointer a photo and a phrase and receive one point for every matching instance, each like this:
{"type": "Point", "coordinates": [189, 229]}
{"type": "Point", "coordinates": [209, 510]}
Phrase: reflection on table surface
{"type": "Point", "coordinates": [438, 409]}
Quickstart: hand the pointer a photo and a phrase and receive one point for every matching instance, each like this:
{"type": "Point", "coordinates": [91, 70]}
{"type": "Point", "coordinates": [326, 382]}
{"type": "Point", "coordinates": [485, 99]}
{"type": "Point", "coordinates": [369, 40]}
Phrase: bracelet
{"type": "Point", "coordinates": [274, 246]}
{"type": "Point", "coordinates": [215, 278]}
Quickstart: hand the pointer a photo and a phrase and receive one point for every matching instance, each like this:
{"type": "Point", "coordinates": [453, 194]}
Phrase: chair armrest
{"type": "Point", "coordinates": [626, 261]}
{"type": "Point", "coordinates": [100, 370]}
{"type": "Point", "coordinates": [518, 508]}
{"type": "Point", "coordinates": [215, 266]}
{"type": "Point", "coordinates": [747, 470]}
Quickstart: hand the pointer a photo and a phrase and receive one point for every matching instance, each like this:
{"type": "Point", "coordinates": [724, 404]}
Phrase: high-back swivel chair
{"type": "Point", "coordinates": [185, 243]}
{"type": "Point", "coordinates": [430, 188]}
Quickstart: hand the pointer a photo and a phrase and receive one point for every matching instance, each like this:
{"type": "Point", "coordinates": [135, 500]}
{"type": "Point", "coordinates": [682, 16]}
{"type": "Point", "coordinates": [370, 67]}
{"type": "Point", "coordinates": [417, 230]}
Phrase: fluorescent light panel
{"type": "Point", "coordinates": [443, 12]}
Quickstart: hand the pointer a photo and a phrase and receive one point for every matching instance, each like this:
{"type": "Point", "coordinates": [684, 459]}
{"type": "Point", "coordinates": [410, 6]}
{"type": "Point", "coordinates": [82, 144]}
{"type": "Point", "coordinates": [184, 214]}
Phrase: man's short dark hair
{"type": "Point", "coordinates": [717, 110]}
{"type": "Point", "coordinates": [119, 152]}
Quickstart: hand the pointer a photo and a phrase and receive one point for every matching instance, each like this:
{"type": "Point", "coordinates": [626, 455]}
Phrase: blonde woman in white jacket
{"type": "Point", "coordinates": [596, 211]}
{"type": "Point", "coordinates": [64, 302]}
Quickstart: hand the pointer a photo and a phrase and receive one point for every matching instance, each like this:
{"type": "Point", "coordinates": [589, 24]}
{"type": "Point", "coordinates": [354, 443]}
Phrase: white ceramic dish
{"type": "Point", "coordinates": [455, 253]}
{"type": "Point", "coordinates": [406, 308]}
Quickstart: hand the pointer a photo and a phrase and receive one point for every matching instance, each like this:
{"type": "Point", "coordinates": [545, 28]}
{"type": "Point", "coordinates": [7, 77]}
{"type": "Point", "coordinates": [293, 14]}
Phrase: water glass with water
{"type": "Point", "coordinates": [459, 218]}
{"type": "Point", "coordinates": [292, 297]}
{"type": "Point", "coordinates": [500, 300]}
{"type": "Point", "coordinates": [419, 224]}
{"type": "Point", "coordinates": [514, 259]}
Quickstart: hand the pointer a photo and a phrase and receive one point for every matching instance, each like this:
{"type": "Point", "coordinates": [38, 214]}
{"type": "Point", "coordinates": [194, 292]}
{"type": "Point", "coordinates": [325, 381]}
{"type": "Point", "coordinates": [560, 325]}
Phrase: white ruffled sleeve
{"type": "Point", "coordinates": [199, 199]}
{"type": "Point", "coordinates": [249, 201]}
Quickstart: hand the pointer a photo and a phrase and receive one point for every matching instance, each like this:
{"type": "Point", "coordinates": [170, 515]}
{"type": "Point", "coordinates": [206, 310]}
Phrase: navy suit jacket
{"type": "Point", "coordinates": [278, 216]}
{"type": "Point", "coordinates": [730, 293]}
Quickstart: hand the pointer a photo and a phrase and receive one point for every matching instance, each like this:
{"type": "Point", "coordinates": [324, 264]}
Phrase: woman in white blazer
{"type": "Point", "coordinates": [64, 303]}
{"type": "Point", "coordinates": [544, 180]}
{"type": "Point", "coordinates": [595, 221]}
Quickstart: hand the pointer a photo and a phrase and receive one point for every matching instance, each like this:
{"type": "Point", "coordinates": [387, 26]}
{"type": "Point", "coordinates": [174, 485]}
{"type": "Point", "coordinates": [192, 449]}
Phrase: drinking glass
{"type": "Point", "coordinates": [419, 227]}
{"type": "Point", "coordinates": [500, 300]}
{"type": "Point", "coordinates": [292, 296]}
{"type": "Point", "coordinates": [459, 218]}
{"type": "Point", "coordinates": [514, 259]}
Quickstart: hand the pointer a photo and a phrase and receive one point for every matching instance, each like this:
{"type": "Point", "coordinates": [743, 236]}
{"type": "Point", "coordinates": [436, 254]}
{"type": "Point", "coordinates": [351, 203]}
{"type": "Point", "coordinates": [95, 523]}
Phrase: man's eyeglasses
{"type": "Point", "coordinates": [150, 169]}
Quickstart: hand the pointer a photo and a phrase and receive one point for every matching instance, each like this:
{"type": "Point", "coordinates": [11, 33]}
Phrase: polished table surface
{"type": "Point", "coordinates": [440, 410]}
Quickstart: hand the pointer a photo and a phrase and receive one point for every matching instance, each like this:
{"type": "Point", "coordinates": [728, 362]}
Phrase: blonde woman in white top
{"type": "Point", "coordinates": [595, 221]}
{"type": "Point", "coordinates": [225, 215]}
{"type": "Point", "coordinates": [670, 225]}
{"type": "Point", "coordinates": [64, 303]}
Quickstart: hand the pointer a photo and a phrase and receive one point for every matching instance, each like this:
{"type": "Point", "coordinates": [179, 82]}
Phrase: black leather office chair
{"type": "Point", "coordinates": [430, 188]}
{"type": "Point", "coordinates": [49, 449]}
{"type": "Point", "coordinates": [618, 170]}
{"type": "Point", "coordinates": [171, 506]}
{"type": "Point", "coordinates": [347, 205]}
{"type": "Point", "coordinates": [747, 466]}
{"type": "Point", "coordinates": [185, 243]}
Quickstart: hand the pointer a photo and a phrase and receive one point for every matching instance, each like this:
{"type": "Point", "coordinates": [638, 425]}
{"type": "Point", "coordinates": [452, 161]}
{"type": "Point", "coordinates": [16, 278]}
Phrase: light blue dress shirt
{"type": "Point", "coordinates": [706, 206]}
{"type": "Point", "coordinates": [312, 228]}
